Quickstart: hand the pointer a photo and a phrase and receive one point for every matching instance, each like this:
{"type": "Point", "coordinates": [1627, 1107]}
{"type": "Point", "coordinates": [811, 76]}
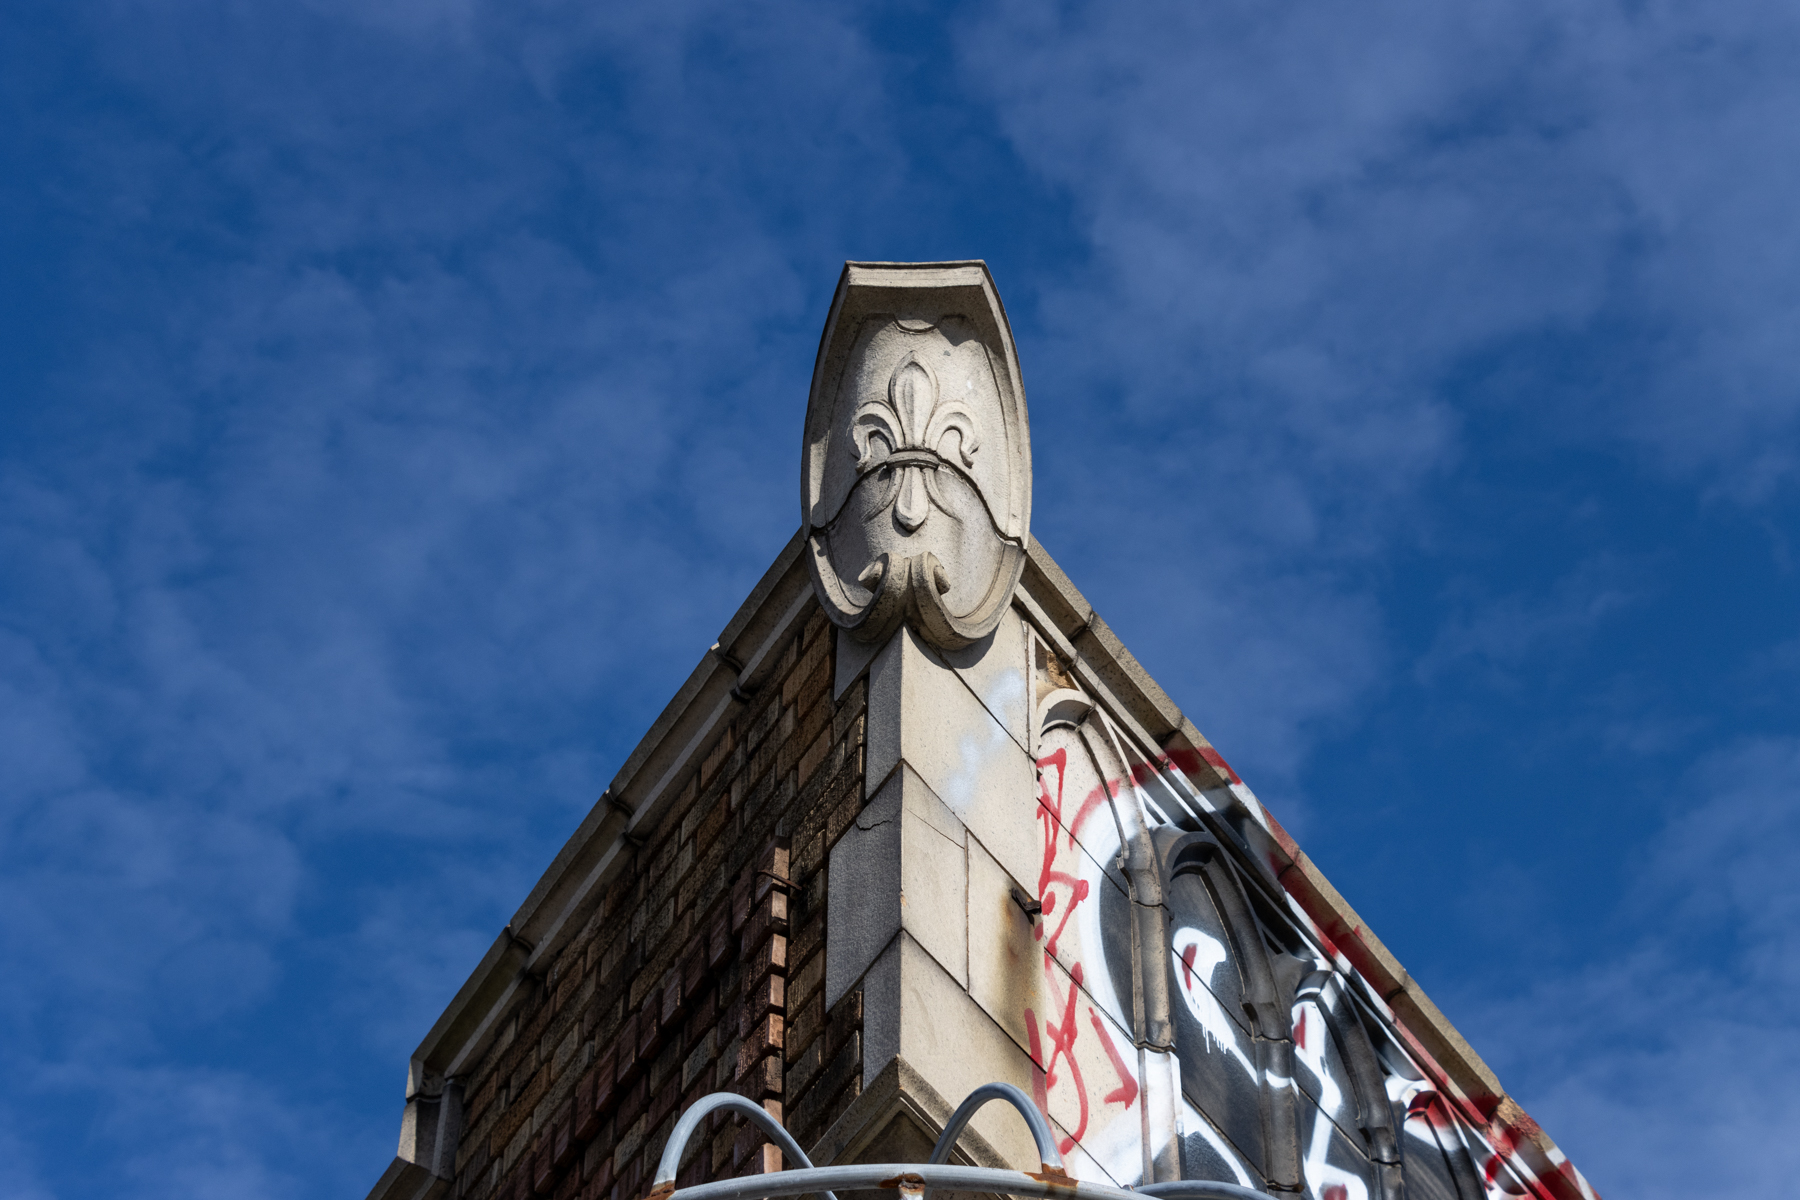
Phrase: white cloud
{"type": "Point", "coordinates": [1664, 1061]}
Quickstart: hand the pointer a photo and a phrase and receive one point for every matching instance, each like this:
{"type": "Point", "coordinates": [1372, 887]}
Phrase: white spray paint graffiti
{"type": "Point", "coordinates": [1082, 851]}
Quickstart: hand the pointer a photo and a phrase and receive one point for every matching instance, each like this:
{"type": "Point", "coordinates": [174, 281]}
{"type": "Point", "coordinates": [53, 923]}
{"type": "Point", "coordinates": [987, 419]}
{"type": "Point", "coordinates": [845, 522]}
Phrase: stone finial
{"type": "Point", "coordinates": [916, 470]}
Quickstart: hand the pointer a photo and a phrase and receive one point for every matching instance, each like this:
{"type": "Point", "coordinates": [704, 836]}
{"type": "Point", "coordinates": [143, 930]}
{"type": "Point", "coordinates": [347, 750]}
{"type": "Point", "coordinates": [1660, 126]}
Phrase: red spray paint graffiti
{"type": "Point", "coordinates": [1050, 816]}
{"type": "Point", "coordinates": [1063, 1035]}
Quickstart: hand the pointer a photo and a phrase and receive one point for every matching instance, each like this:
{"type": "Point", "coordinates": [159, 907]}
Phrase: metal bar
{"type": "Point", "coordinates": [1199, 1189]}
{"type": "Point", "coordinates": [670, 1163]}
{"type": "Point", "coordinates": [1040, 1128]}
{"type": "Point", "coordinates": [910, 1178]}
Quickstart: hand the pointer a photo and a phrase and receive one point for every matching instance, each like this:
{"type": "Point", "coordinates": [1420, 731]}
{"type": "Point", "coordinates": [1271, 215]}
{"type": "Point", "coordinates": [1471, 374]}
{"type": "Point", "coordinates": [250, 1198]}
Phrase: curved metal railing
{"type": "Point", "coordinates": [911, 1179]}
{"type": "Point", "coordinates": [1040, 1127]}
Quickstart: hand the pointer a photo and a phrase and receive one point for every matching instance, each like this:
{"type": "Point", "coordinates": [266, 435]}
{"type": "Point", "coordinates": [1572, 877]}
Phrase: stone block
{"type": "Point", "coordinates": [921, 712]}
{"type": "Point", "coordinates": [946, 1037]}
{"type": "Point", "coordinates": [900, 865]}
{"type": "Point", "coordinates": [862, 908]}
{"type": "Point", "coordinates": [853, 658]}
{"type": "Point", "coordinates": [996, 671]}
{"type": "Point", "coordinates": [934, 878]}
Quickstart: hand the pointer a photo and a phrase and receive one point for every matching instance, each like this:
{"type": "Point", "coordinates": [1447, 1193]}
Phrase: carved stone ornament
{"type": "Point", "coordinates": [916, 473]}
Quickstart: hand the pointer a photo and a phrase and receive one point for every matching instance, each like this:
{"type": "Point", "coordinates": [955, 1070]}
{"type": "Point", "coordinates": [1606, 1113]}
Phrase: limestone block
{"type": "Point", "coordinates": [922, 713]}
{"type": "Point", "coordinates": [995, 669]}
{"type": "Point", "coordinates": [853, 658]}
{"type": "Point", "coordinates": [934, 877]}
{"type": "Point", "coordinates": [954, 1045]}
{"type": "Point", "coordinates": [901, 865]}
{"type": "Point", "coordinates": [862, 909]}
{"type": "Point", "coordinates": [881, 1011]}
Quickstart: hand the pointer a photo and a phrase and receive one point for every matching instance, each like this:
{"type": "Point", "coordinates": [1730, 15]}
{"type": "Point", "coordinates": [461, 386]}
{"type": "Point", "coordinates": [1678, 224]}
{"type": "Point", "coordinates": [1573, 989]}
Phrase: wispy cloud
{"type": "Point", "coordinates": [409, 391]}
{"type": "Point", "coordinates": [1662, 1059]}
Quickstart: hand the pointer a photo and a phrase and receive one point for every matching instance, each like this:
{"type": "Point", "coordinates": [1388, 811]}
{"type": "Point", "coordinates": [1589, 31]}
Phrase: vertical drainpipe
{"type": "Point", "coordinates": [1153, 1028]}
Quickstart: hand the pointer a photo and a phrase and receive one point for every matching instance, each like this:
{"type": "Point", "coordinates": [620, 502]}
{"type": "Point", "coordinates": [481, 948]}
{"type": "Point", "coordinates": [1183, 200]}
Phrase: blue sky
{"type": "Point", "coordinates": [399, 396]}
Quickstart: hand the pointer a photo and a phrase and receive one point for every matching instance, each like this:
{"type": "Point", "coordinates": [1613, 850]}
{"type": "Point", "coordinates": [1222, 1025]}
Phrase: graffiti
{"type": "Point", "coordinates": [1050, 818]}
{"type": "Point", "coordinates": [1060, 893]}
{"type": "Point", "coordinates": [1288, 1069]}
{"type": "Point", "coordinates": [1062, 1040]}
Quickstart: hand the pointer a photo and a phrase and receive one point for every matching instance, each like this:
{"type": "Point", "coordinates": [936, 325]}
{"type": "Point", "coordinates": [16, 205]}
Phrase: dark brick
{"type": "Point", "coordinates": [543, 1178]}
{"type": "Point", "coordinates": [674, 998]}
{"type": "Point", "coordinates": [693, 1172]}
{"type": "Point", "coordinates": [693, 974]}
{"type": "Point", "coordinates": [850, 708]}
{"type": "Point", "coordinates": [740, 902]}
{"type": "Point", "coordinates": [601, 1181]}
{"type": "Point", "coordinates": [815, 757]}
{"type": "Point", "coordinates": [568, 1186]}
{"type": "Point", "coordinates": [763, 1079]}
{"type": "Point", "coordinates": [666, 1099]}
{"type": "Point", "coordinates": [606, 1083]}
{"type": "Point", "coordinates": [702, 1016]}
{"type": "Point", "coordinates": [587, 1117]}
{"type": "Point", "coordinates": [842, 815]}
{"type": "Point", "coordinates": [731, 1019]}
{"type": "Point", "coordinates": [808, 940]}
{"type": "Point", "coordinates": [803, 1066]}
{"type": "Point", "coordinates": [844, 1021]}
{"type": "Point", "coordinates": [480, 1099]}
{"type": "Point", "coordinates": [765, 995]}
{"type": "Point", "coordinates": [650, 1030]}
{"type": "Point", "coordinates": [804, 1025]}
{"type": "Point", "coordinates": [562, 1135]}
{"type": "Point", "coordinates": [843, 1069]}
{"type": "Point", "coordinates": [625, 1049]}
{"type": "Point", "coordinates": [715, 758]}
{"type": "Point", "coordinates": [770, 956]}
{"type": "Point", "coordinates": [533, 1028]}
{"type": "Point", "coordinates": [694, 1095]}
{"type": "Point", "coordinates": [809, 851]}
{"type": "Point", "coordinates": [746, 1147]}
{"type": "Point", "coordinates": [817, 625]}
{"type": "Point", "coordinates": [814, 723]}
{"type": "Point", "coordinates": [764, 1037]}
{"type": "Point", "coordinates": [719, 942]}
{"type": "Point", "coordinates": [632, 1103]}
{"type": "Point", "coordinates": [707, 830]}
{"type": "Point", "coordinates": [519, 1109]}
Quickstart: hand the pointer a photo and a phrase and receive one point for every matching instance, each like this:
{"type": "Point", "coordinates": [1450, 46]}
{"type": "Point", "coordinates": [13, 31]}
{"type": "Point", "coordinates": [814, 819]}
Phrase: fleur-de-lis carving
{"type": "Point", "coordinates": [906, 431]}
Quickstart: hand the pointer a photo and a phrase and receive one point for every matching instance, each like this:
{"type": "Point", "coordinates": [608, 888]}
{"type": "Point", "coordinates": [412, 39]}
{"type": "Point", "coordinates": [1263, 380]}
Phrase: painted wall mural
{"type": "Point", "coordinates": [1193, 1021]}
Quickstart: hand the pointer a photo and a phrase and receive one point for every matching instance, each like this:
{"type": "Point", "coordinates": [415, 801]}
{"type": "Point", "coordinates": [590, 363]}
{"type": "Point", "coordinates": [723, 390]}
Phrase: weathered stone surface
{"type": "Point", "coordinates": [916, 471]}
{"type": "Point", "coordinates": [901, 866]}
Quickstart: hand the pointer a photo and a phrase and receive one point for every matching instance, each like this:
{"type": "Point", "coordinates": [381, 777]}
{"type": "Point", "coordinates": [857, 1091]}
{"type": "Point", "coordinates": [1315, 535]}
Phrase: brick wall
{"type": "Point", "coordinates": [702, 969]}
